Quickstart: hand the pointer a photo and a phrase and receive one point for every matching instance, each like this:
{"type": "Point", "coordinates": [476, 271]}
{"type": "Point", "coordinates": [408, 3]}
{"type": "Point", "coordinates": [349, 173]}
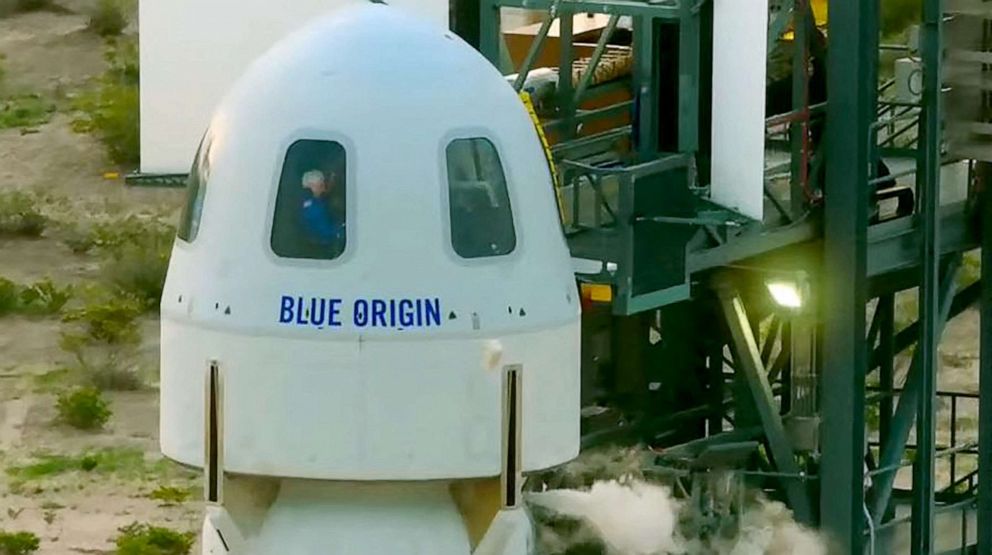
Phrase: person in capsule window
{"type": "Point", "coordinates": [318, 215]}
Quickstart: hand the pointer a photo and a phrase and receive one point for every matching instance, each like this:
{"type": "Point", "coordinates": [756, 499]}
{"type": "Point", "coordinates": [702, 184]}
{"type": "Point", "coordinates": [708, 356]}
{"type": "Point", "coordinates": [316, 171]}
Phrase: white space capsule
{"type": "Point", "coordinates": [371, 236]}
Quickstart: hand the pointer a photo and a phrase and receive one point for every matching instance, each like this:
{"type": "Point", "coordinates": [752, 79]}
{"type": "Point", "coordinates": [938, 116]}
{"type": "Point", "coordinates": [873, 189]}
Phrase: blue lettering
{"type": "Point", "coordinates": [420, 313]}
{"type": "Point", "coordinates": [334, 316]}
{"type": "Point", "coordinates": [392, 313]}
{"type": "Point", "coordinates": [434, 312]}
{"type": "Point", "coordinates": [406, 313]}
{"type": "Point", "coordinates": [317, 313]}
{"type": "Point", "coordinates": [300, 316]}
{"type": "Point", "coordinates": [361, 315]}
{"type": "Point", "coordinates": [286, 310]}
{"type": "Point", "coordinates": [378, 313]}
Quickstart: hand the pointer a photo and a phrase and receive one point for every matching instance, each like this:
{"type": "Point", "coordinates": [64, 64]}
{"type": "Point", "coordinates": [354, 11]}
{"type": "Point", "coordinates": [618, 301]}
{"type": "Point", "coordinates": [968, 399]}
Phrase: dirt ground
{"type": "Point", "coordinates": [52, 53]}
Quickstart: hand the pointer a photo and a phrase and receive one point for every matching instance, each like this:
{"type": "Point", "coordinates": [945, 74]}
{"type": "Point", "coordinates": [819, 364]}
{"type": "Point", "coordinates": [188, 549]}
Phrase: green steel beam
{"type": "Point", "coordinates": [646, 87]}
{"type": "Point", "coordinates": [537, 45]}
{"type": "Point", "coordinates": [799, 130]}
{"type": "Point", "coordinates": [851, 110]}
{"type": "Point", "coordinates": [886, 374]}
{"type": "Point", "coordinates": [963, 300]}
{"type": "Point", "coordinates": [566, 61]}
{"type": "Point", "coordinates": [690, 65]}
{"type": "Point", "coordinates": [669, 10]}
{"type": "Point", "coordinates": [597, 55]}
{"type": "Point", "coordinates": [749, 362]}
{"type": "Point", "coordinates": [466, 20]}
{"type": "Point", "coordinates": [490, 31]}
{"type": "Point", "coordinates": [896, 244]}
{"type": "Point", "coordinates": [906, 411]}
{"type": "Point", "coordinates": [928, 186]}
{"type": "Point", "coordinates": [985, 369]}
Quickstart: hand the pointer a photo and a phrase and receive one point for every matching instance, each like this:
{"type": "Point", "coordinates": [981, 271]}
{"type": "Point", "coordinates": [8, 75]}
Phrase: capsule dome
{"type": "Point", "coordinates": [370, 236]}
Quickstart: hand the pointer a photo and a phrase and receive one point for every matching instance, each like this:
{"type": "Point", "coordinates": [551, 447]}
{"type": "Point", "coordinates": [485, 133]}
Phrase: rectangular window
{"type": "Point", "coordinates": [196, 188]}
{"type": "Point", "coordinates": [478, 202]}
{"type": "Point", "coordinates": [310, 216]}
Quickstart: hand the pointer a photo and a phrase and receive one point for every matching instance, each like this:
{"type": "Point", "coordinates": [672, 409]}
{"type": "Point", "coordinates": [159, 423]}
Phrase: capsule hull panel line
{"type": "Point", "coordinates": [370, 238]}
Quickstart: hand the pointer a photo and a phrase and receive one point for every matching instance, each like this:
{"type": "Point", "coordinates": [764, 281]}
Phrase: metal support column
{"type": "Point", "coordinates": [490, 34]}
{"type": "Point", "coordinates": [465, 20]}
{"type": "Point", "coordinates": [928, 186]}
{"type": "Point", "coordinates": [749, 362]}
{"type": "Point", "coordinates": [799, 129]}
{"type": "Point", "coordinates": [646, 93]}
{"type": "Point", "coordinates": [845, 292]}
{"type": "Point", "coordinates": [886, 369]}
{"type": "Point", "coordinates": [906, 413]}
{"type": "Point", "coordinates": [985, 369]}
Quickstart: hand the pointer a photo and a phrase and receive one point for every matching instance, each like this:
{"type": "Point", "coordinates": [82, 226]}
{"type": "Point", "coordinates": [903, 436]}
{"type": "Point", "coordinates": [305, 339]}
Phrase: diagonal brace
{"type": "Point", "coordinates": [905, 416]}
{"type": "Point", "coordinates": [749, 362]}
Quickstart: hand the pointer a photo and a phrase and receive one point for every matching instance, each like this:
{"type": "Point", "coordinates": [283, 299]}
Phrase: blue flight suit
{"type": "Point", "coordinates": [318, 220]}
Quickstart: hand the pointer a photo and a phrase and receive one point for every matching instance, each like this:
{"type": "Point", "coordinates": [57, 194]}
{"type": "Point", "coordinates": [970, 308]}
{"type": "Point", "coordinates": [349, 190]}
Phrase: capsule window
{"type": "Point", "coordinates": [310, 216]}
{"type": "Point", "coordinates": [196, 188]}
{"type": "Point", "coordinates": [478, 202]}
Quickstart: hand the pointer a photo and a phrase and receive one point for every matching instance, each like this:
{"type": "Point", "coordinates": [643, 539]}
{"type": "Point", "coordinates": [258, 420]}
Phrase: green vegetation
{"type": "Point", "coordinates": [9, 297]}
{"type": "Point", "coordinates": [50, 381]}
{"type": "Point", "coordinates": [122, 462]}
{"type": "Point", "coordinates": [136, 252]}
{"type": "Point", "coordinates": [18, 543]}
{"type": "Point", "coordinates": [137, 268]}
{"type": "Point", "coordinates": [111, 109]}
{"type": "Point", "coordinates": [84, 408]}
{"type": "Point", "coordinates": [145, 539]}
{"type": "Point", "coordinates": [109, 320]}
{"type": "Point", "coordinates": [109, 18]}
{"type": "Point", "coordinates": [171, 495]}
{"type": "Point", "coordinates": [19, 215]}
{"type": "Point", "coordinates": [44, 297]}
{"type": "Point", "coordinates": [40, 298]}
{"type": "Point", "coordinates": [8, 7]}
{"type": "Point", "coordinates": [107, 370]}
{"type": "Point", "coordinates": [24, 111]}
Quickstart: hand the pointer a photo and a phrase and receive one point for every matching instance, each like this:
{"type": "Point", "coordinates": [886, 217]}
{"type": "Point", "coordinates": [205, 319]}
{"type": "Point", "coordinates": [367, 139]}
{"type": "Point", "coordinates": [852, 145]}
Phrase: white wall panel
{"type": "Point", "coordinates": [193, 50]}
{"type": "Point", "coordinates": [740, 34]}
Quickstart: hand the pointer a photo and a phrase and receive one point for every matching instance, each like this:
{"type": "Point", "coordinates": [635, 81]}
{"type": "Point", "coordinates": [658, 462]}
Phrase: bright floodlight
{"type": "Point", "coordinates": [786, 294]}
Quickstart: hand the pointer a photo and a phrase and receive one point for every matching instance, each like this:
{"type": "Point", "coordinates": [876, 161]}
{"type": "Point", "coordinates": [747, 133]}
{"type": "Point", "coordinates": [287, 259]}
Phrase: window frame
{"type": "Point", "coordinates": [470, 133]}
{"type": "Point", "coordinates": [351, 194]}
{"type": "Point", "coordinates": [193, 231]}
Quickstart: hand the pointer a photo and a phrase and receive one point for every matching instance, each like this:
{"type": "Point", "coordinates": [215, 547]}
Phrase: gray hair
{"type": "Point", "coordinates": [313, 177]}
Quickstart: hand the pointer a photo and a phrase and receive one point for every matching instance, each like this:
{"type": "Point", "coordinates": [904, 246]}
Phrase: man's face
{"type": "Point", "coordinates": [318, 188]}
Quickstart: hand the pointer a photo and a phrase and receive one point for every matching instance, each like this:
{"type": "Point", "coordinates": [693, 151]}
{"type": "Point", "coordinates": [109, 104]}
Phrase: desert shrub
{"type": "Point", "coordinates": [10, 297]}
{"type": "Point", "coordinates": [106, 370]}
{"type": "Point", "coordinates": [44, 297]}
{"type": "Point", "coordinates": [33, 5]}
{"type": "Point", "coordinates": [108, 320]}
{"type": "Point", "coordinates": [83, 408]}
{"type": "Point", "coordinates": [136, 252]}
{"type": "Point", "coordinates": [145, 539]}
{"type": "Point", "coordinates": [109, 18]}
{"type": "Point", "coordinates": [111, 109]}
{"type": "Point", "coordinates": [25, 110]}
{"type": "Point", "coordinates": [138, 269]}
{"type": "Point", "coordinates": [18, 543]}
{"type": "Point", "coordinates": [20, 215]}
{"type": "Point", "coordinates": [171, 495]}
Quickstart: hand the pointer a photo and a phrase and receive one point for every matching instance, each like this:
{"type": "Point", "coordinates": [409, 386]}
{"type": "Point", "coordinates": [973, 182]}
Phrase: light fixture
{"type": "Point", "coordinates": [786, 293]}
